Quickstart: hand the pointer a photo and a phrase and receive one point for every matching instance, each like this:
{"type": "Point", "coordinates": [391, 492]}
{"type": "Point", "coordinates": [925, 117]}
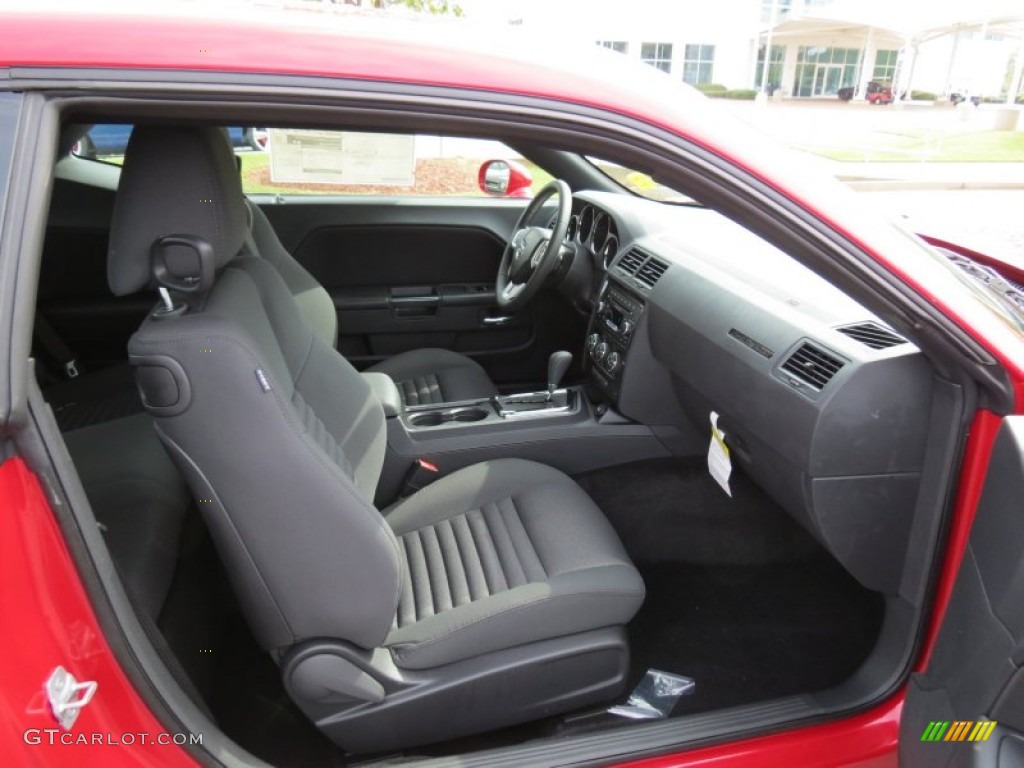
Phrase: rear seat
{"type": "Point", "coordinates": [139, 499]}
{"type": "Point", "coordinates": [94, 397]}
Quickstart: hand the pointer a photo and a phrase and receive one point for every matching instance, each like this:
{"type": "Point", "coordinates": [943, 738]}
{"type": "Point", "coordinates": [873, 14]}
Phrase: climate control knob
{"type": "Point", "coordinates": [600, 351]}
{"type": "Point", "coordinates": [626, 328]}
{"type": "Point", "coordinates": [592, 340]}
{"type": "Point", "coordinates": [612, 362]}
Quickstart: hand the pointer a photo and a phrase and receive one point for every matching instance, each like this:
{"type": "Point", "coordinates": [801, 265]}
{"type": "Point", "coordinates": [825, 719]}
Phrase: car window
{"type": "Point", "coordinates": [288, 161]}
{"type": "Point", "coordinates": [319, 162]}
{"type": "Point", "coordinates": [106, 142]}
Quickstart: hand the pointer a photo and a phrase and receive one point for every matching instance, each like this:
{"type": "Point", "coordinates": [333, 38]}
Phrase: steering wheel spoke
{"type": "Point", "coordinates": [512, 290]}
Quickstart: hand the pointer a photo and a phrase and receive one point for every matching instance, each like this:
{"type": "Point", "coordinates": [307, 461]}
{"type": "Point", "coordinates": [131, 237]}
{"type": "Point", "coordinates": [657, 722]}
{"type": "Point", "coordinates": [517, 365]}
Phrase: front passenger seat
{"type": "Point", "coordinates": [496, 595]}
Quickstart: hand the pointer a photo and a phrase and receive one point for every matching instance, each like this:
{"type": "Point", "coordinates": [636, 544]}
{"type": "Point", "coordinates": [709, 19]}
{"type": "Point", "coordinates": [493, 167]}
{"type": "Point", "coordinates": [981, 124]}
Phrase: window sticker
{"type": "Point", "coordinates": [719, 464]}
{"type": "Point", "coordinates": [342, 157]}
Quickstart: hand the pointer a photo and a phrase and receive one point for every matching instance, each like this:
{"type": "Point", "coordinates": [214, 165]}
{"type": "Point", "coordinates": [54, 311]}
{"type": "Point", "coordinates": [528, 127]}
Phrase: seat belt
{"type": "Point", "coordinates": [54, 346]}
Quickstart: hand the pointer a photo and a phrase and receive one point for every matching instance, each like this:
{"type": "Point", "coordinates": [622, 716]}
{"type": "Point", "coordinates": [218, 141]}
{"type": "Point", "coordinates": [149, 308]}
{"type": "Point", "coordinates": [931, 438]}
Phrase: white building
{"type": "Point", "coordinates": [817, 46]}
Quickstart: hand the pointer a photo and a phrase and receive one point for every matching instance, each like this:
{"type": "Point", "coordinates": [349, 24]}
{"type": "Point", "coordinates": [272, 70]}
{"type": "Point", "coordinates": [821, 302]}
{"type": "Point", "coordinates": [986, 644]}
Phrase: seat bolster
{"type": "Point", "coordinates": [427, 376]}
{"type": "Point", "coordinates": [573, 602]}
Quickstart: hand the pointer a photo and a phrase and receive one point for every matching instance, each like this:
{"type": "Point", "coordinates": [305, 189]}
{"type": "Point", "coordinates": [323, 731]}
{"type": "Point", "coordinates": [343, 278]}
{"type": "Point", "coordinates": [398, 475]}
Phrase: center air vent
{"type": "Point", "coordinates": [651, 272]}
{"type": "Point", "coordinates": [873, 335]}
{"type": "Point", "coordinates": [631, 261]}
{"type": "Point", "coordinates": [812, 365]}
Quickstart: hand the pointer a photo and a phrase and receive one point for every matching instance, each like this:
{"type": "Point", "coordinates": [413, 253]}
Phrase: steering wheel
{"type": "Point", "coordinates": [532, 252]}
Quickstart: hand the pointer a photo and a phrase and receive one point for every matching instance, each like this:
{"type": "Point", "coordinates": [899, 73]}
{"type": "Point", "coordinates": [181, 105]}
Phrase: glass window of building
{"type": "Point", "coordinates": [822, 71]}
{"type": "Point", "coordinates": [774, 67]}
{"type": "Point", "coordinates": [657, 55]}
{"type": "Point", "coordinates": [698, 64]}
{"type": "Point", "coordinates": [885, 65]}
{"type": "Point", "coordinates": [619, 46]}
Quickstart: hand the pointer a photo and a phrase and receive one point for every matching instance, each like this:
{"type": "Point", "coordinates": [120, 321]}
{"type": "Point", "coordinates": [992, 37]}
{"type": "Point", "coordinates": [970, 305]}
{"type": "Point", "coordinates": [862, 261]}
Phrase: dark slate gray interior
{"type": "Point", "coordinates": [717, 330]}
{"type": "Point", "coordinates": [503, 556]}
{"type": "Point", "coordinates": [502, 582]}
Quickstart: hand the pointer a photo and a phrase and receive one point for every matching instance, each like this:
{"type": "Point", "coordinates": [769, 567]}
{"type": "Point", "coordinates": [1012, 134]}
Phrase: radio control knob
{"type": "Point", "coordinates": [626, 328]}
{"type": "Point", "coordinates": [613, 361]}
{"type": "Point", "coordinates": [592, 340]}
{"type": "Point", "coordinates": [600, 351]}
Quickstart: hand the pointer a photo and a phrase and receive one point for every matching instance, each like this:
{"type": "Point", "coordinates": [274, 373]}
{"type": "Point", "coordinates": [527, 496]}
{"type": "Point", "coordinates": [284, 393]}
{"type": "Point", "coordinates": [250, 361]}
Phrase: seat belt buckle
{"type": "Point", "coordinates": [71, 369]}
{"type": "Point", "coordinates": [421, 474]}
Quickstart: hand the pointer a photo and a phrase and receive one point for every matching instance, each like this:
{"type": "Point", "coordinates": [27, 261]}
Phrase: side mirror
{"type": "Point", "coordinates": [504, 178]}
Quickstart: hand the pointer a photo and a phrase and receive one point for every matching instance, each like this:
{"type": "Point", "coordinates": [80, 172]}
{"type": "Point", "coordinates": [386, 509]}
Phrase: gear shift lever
{"type": "Point", "coordinates": [558, 364]}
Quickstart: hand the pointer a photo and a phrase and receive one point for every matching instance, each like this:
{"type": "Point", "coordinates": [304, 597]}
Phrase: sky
{"type": "Point", "coordinates": [898, 14]}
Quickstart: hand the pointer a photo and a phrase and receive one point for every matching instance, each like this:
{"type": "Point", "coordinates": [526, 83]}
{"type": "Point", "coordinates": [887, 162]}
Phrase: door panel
{"type": "Point", "coordinates": [409, 273]}
{"type": "Point", "coordinates": [975, 673]}
{"type": "Point", "coordinates": [407, 287]}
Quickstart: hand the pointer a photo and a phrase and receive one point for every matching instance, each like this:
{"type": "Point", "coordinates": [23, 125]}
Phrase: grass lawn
{"type": "Point", "coordinates": [973, 147]}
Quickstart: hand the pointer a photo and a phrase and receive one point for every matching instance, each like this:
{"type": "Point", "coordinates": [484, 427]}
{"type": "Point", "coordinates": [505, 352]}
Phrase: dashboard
{"type": "Point", "coordinates": [823, 405]}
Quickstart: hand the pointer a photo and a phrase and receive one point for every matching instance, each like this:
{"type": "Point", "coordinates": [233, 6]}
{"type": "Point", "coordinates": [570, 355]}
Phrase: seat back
{"type": "Point", "coordinates": [281, 440]}
{"type": "Point", "coordinates": [314, 302]}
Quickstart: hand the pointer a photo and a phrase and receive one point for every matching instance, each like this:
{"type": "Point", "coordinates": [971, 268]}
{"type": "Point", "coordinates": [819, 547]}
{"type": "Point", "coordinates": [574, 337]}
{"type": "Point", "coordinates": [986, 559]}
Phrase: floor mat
{"type": "Point", "coordinates": [671, 511]}
{"type": "Point", "coordinates": [739, 596]}
{"type": "Point", "coordinates": [748, 634]}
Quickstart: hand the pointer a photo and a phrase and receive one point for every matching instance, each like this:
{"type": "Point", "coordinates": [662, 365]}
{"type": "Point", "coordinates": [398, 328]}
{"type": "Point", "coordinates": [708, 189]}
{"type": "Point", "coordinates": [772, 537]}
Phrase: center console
{"type": "Point", "coordinates": [494, 411]}
{"type": "Point", "coordinates": [576, 429]}
{"type": "Point", "coordinates": [612, 325]}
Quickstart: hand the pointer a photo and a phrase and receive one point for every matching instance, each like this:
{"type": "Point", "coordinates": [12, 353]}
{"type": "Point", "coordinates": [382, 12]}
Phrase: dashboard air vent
{"type": "Point", "coordinates": [631, 262]}
{"type": "Point", "coordinates": [812, 365]}
{"type": "Point", "coordinates": [873, 335]}
{"type": "Point", "coordinates": [651, 272]}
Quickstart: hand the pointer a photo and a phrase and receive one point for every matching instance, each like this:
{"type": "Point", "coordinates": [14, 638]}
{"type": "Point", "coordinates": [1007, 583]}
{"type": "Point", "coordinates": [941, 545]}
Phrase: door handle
{"type": "Point", "coordinates": [497, 320]}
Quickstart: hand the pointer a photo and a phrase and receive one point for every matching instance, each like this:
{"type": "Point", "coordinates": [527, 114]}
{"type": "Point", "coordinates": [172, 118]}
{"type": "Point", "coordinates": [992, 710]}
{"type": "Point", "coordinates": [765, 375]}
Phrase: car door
{"type": "Point", "coordinates": [409, 273]}
{"type": "Point", "coordinates": [398, 231]}
{"type": "Point", "coordinates": [967, 708]}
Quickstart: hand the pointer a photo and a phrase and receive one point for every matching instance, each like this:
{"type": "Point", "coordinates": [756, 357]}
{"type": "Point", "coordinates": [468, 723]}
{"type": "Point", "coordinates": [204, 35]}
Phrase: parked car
{"type": "Point", "coordinates": [688, 458]}
{"type": "Point", "coordinates": [875, 93]}
{"type": "Point", "coordinates": [960, 96]}
{"type": "Point", "coordinates": [112, 138]}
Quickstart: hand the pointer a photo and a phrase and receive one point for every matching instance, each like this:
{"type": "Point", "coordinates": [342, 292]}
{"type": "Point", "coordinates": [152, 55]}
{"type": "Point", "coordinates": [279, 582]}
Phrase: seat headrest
{"type": "Point", "coordinates": [175, 181]}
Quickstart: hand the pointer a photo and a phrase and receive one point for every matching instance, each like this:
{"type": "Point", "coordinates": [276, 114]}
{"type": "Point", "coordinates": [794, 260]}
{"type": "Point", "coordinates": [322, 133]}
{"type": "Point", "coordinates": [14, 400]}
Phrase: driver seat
{"type": "Point", "coordinates": [423, 376]}
{"type": "Point", "coordinates": [496, 595]}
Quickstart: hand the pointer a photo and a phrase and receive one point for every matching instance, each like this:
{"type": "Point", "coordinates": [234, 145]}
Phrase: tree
{"type": "Point", "coordinates": [435, 7]}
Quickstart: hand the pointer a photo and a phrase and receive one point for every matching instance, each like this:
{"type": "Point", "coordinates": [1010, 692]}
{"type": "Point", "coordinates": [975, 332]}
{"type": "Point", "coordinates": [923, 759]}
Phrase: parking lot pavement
{"type": "Point", "coordinates": [828, 123]}
{"type": "Point", "coordinates": [985, 220]}
{"type": "Point", "coordinates": [975, 204]}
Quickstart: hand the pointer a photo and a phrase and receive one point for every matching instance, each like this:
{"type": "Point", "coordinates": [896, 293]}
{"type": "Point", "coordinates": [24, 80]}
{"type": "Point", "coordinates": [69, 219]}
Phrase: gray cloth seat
{"type": "Point", "coordinates": [504, 553]}
{"type": "Point", "coordinates": [423, 376]}
{"type": "Point", "coordinates": [139, 499]}
{"type": "Point", "coordinates": [431, 376]}
{"type": "Point", "coordinates": [501, 576]}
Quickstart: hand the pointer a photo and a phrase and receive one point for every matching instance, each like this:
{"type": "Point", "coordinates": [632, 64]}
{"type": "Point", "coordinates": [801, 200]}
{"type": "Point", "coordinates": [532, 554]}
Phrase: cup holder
{"type": "Point", "coordinates": [437, 418]}
{"type": "Point", "coordinates": [428, 419]}
{"type": "Point", "coordinates": [468, 414]}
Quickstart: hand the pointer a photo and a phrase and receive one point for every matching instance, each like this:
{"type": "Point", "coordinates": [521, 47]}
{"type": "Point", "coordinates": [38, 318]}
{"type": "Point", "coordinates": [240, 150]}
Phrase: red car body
{"type": "Point", "coordinates": [45, 607]}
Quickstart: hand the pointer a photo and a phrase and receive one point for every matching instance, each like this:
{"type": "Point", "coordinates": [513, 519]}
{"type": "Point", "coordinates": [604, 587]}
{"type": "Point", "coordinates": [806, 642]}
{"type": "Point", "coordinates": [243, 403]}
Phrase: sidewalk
{"type": "Point", "coordinates": [940, 176]}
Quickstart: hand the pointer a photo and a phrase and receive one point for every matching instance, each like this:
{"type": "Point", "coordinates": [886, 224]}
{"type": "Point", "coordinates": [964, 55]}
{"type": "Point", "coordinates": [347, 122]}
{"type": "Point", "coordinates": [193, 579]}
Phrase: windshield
{"type": "Point", "coordinates": [639, 183]}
